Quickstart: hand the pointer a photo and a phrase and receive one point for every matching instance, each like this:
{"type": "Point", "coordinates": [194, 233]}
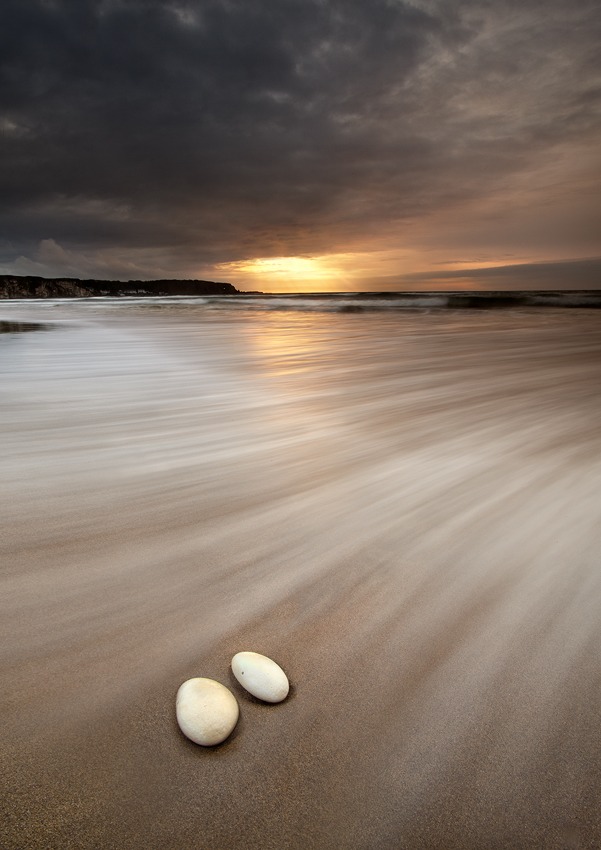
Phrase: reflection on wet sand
{"type": "Point", "coordinates": [403, 511]}
{"type": "Point", "coordinates": [7, 327]}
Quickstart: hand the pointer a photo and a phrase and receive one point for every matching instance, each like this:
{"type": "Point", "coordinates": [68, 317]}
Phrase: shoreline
{"type": "Point", "coordinates": [44, 289]}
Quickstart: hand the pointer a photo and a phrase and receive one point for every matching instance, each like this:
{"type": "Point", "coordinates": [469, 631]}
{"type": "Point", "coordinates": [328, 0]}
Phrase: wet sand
{"type": "Point", "coordinates": [403, 511]}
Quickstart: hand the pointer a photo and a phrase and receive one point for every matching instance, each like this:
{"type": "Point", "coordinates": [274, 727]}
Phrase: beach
{"type": "Point", "coordinates": [401, 508]}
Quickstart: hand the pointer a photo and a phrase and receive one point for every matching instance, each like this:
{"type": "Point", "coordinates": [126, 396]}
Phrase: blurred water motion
{"type": "Point", "coordinates": [406, 506]}
{"type": "Point", "coordinates": [7, 327]}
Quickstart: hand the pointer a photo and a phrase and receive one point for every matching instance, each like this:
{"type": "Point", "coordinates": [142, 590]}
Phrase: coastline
{"type": "Point", "coordinates": [41, 289]}
{"type": "Point", "coordinates": [28, 286]}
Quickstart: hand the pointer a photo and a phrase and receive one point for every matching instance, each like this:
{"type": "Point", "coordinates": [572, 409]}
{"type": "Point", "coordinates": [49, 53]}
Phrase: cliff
{"type": "Point", "coordinates": [16, 286]}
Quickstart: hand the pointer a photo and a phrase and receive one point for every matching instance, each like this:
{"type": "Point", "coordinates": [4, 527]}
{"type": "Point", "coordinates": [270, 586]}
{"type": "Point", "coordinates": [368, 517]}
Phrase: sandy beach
{"type": "Point", "coordinates": [403, 511]}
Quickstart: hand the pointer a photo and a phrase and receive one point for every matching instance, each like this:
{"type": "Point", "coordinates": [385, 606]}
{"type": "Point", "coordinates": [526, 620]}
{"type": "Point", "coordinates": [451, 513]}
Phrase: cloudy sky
{"type": "Point", "coordinates": [302, 144]}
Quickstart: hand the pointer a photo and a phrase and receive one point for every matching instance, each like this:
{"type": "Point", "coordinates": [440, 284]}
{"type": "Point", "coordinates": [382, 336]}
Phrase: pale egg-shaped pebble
{"type": "Point", "coordinates": [261, 676]}
{"type": "Point", "coordinates": [206, 711]}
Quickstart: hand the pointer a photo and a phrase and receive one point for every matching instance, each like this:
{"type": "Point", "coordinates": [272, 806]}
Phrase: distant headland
{"type": "Point", "coordinates": [26, 286]}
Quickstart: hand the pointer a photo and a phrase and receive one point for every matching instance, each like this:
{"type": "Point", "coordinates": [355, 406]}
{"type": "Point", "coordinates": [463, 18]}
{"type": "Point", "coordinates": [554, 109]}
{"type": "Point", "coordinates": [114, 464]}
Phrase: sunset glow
{"type": "Point", "coordinates": [302, 147]}
{"type": "Point", "coordinates": [313, 274]}
{"type": "Point", "coordinates": [300, 354]}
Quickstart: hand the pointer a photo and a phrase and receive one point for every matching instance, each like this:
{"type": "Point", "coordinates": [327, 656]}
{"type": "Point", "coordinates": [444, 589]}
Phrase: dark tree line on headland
{"type": "Point", "coordinates": [17, 286]}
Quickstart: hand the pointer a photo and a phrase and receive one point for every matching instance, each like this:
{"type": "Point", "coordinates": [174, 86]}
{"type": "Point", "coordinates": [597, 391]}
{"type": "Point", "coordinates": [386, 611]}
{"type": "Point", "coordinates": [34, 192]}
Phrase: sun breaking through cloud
{"type": "Point", "coordinates": [171, 138]}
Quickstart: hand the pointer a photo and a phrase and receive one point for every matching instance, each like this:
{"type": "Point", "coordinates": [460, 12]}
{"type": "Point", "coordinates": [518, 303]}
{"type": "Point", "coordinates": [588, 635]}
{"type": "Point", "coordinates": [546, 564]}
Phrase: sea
{"type": "Point", "coordinates": [398, 497]}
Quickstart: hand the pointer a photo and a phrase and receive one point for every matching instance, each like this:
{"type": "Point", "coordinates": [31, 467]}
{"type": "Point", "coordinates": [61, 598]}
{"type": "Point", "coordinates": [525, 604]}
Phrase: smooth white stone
{"type": "Point", "coordinates": [260, 676]}
{"type": "Point", "coordinates": [206, 711]}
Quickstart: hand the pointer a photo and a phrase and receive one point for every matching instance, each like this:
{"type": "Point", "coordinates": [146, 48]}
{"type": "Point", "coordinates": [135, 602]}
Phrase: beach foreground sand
{"type": "Point", "coordinates": [403, 512]}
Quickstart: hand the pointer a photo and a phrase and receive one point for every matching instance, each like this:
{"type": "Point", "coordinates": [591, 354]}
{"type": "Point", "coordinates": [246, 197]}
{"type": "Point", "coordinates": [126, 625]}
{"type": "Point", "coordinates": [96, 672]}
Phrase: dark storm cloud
{"type": "Point", "coordinates": [569, 274]}
{"type": "Point", "coordinates": [210, 131]}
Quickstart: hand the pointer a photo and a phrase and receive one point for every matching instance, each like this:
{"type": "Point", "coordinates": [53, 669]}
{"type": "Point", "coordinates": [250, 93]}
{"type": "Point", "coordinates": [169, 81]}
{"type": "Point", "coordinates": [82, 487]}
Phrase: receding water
{"type": "Point", "coordinates": [403, 509]}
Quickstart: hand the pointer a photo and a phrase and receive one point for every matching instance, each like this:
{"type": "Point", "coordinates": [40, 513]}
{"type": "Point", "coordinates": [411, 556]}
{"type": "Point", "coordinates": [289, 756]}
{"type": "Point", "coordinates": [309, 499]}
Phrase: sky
{"type": "Point", "coordinates": [288, 145]}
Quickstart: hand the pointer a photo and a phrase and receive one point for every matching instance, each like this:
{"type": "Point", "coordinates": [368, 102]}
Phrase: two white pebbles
{"type": "Point", "coordinates": [207, 711]}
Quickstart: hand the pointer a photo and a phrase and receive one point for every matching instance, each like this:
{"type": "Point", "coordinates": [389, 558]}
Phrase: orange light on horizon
{"type": "Point", "coordinates": [290, 273]}
{"type": "Point", "coordinates": [355, 271]}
